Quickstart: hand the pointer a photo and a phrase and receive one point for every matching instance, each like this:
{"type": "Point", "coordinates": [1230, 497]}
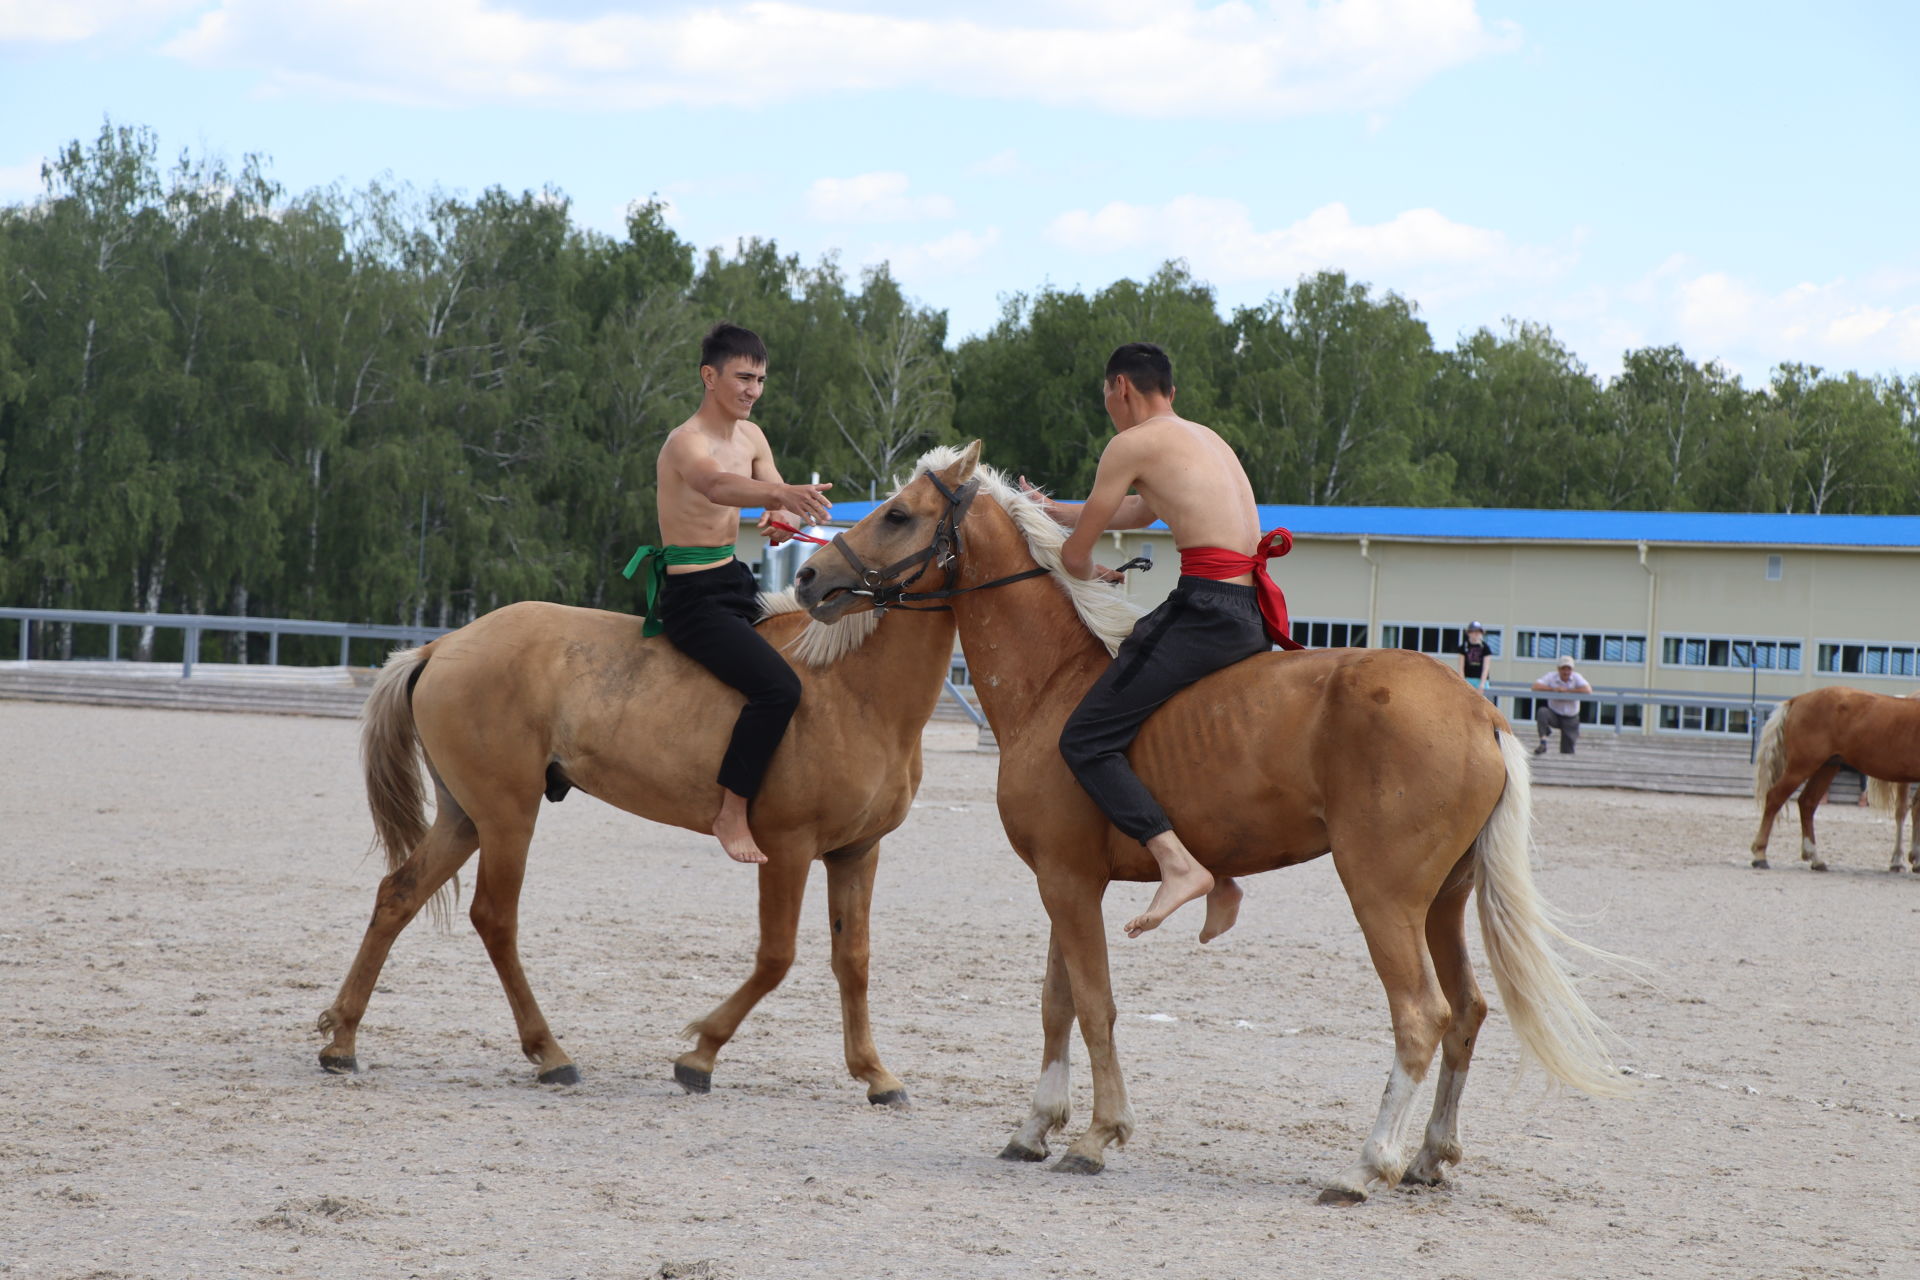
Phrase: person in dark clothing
{"type": "Point", "coordinates": [1473, 656]}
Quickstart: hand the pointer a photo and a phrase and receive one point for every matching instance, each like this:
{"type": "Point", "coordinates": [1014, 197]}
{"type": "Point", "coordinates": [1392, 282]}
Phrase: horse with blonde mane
{"type": "Point", "coordinates": [1809, 737]}
{"type": "Point", "coordinates": [536, 699]}
{"type": "Point", "coordinates": [1385, 759]}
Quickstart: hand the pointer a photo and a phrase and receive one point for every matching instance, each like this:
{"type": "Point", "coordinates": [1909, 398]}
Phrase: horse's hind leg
{"type": "Point", "coordinates": [1052, 1101]}
{"type": "Point", "coordinates": [1910, 805]}
{"type": "Point", "coordinates": [1902, 797]}
{"type": "Point", "coordinates": [1770, 810]}
{"type": "Point", "coordinates": [1447, 942]}
{"type": "Point", "coordinates": [496, 918]}
{"type": "Point", "coordinates": [448, 843]}
{"type": "Point", "coordinates": [783, 884]}
{"type": "Point", "coordinates": [1810, 797]}
{"type": "Point", "coordinates": [1396, 940]}
{"type": "Point", "coordinates": [849, 907]}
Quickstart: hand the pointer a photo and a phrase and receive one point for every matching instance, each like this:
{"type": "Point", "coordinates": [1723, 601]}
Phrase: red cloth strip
{"type": "Point", "coordinates": [794, 533]}
{"type": "Point", "coordinates": [1219, 564]}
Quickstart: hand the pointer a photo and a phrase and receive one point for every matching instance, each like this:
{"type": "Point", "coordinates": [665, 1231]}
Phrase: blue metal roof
{"type": "Point", "coordinates": [1514, 524]}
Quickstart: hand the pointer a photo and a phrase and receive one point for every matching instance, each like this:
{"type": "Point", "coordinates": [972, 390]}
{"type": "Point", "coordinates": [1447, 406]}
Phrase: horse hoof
{"type": "Point", "coordinates": [895, 1098]}
{"type": "Point", "coordinates": [1014, 1151]}
{"type": "Point", "coordinates": [1341, 1198]}
{"type": "Point", "coordinates": [692, 1079]}
{"type": "Point", "coordinates": [1760, 864]}
{"type": "Point", "coordinates": [1816, 866]}
{"type": "Point", "coordinates": [568, 1074]}
{"type": "Point", "coordinates": [340, 1064]}
{"type": "Point", "coordinates": [1071, 1163]}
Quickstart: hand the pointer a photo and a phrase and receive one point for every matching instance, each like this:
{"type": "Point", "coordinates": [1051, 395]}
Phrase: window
{"type": "Point", "coordinates": [1583, 646]}
{"type": "Point", "coordinates": [1868, 658]}
{"type": "Point", "coordinates": [1329, 633]}
{"type": "Point", "coordinates": [1605, 714]}
{"type": "Point", "coordinates": [1687, 718]}
{"type": "Point", "coordinates": [1773, 568]}
{"type": "Point", "coordinates": [1737, 653]}
{"type": "Point", "coordinates": [1434, 638]}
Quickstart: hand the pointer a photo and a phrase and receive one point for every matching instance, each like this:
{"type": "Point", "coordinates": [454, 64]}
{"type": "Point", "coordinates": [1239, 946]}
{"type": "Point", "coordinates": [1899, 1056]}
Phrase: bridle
{"type": "Point", "coordinates": [946, 547]}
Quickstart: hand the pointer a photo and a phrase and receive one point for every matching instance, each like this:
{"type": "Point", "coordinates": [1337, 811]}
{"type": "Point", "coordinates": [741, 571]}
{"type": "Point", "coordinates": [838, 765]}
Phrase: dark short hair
{"type": "Point", "coordinates": [725, 341]}
{"type": "Point", "coordinates": [1146, 366]}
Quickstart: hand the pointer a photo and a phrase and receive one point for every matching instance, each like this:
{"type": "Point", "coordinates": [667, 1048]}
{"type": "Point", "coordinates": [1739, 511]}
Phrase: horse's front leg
{"type": "Point", "coordinates": [783, 884]}
{"type": "Point", "coordinates": [1902, 797]}
{"type": "Point", "coordinates": [1052, 1103]}
{"type": "Point", "coordinates": [849, 905]}
{"type": "Point", "coordinates": [1079, 930]}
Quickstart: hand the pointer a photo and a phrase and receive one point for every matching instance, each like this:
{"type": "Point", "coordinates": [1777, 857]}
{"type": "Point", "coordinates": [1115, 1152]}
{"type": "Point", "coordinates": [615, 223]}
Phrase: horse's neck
{"type": "Point", "coordinates": [900, 670]}
{"type": "Point", "coordinates": [1029, 657]}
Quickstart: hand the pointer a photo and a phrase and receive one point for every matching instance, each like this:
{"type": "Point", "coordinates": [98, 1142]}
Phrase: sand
{"type": "Point", "coordinates": [183, 892]}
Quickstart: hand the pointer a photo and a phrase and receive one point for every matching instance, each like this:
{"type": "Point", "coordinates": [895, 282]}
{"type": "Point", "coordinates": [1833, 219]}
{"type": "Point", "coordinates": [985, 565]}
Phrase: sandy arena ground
{"type": "Point", "coordinates": [183, 892]}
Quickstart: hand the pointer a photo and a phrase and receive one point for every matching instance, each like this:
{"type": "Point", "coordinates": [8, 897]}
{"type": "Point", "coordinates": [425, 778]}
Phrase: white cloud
{"type": "Point", "coordinates": [1420, 251]}
{"type": "Point", "coordinates": [1001, 164]}
{"type": "Point", "coordinates": [873, 197]}
{"type": "Point", "coordinates": [21, 181]}
{"type": "Point", "coordinates": [1180, 58]}
{"type": "Point", "coordinates": [1865, 324]}
{"type": "Point", "coordinates": [949, 255]}
{"type": "Point", "coordinates": [71, 21]}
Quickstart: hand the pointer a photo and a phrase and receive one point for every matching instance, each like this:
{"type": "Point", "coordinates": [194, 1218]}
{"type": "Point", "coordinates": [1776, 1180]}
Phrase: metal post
{"type": "Point", "coordinates": [190, 650]}
{"type": "Point", "coordinates": [25, 630]}
{"type": "Point", "coordinates": [344, 641]}
{"type": "Point", "coordinates": [113, 642]}
{"type": "Point", "coordinates": [1753, 703]}
{"type": "Point", "coordinates": [273, 647]}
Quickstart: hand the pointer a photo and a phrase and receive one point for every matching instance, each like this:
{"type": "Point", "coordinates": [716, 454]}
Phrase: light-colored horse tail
{"type": "Point", "coordinates": [1555, 1025]}
{"type": "Point", "coordinates": [1884, 796]}
{"type": "Point", "coordinates": [1771, 760]}
{"type": "Point", "coordinates": [390, 758]}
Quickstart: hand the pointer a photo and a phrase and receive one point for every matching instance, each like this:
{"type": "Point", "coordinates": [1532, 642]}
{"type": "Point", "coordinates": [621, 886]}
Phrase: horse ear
{"type": "Point", "coordinates": [963, 467]}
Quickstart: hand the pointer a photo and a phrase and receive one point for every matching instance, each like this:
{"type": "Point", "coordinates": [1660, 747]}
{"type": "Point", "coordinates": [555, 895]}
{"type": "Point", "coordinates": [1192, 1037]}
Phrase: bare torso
{"type": "Point", "coordinates": [1194, 482]}
{"type": "Point", "coordinates": [687, 517]}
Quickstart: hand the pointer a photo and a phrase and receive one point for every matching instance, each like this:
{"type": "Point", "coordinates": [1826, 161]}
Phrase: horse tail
{"type": "Point", "coordinates": [390, 758]}
{"type": "Point", "coordinates": [1771, 760]}
{"type": "Point", "coordinates": [1882, 795]}
{"type": "Point", "coordinates": [1555, 1025]}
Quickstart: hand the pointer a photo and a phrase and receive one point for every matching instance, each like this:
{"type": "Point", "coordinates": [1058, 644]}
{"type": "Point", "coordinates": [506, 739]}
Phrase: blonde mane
{"type": "Point", "coordinates": [1102, 609]}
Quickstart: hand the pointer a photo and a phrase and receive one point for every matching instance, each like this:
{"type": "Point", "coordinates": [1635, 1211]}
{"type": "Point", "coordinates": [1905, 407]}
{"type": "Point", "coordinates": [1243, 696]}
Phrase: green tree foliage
{"type": "Point", "coordinates": [393, 405]}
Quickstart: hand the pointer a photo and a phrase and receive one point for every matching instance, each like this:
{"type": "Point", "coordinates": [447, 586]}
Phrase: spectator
{"type": "Point", "coordinates": [1473, 656]}
{"type": "Point", "coordinates": [1560, 713]}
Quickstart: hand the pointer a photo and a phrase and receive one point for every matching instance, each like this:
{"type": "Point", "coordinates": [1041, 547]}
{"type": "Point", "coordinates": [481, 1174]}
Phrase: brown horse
{"type": "Point", "coordinates": [537, 698]}
{"type": "Point", "coordinates": [1808, 738]}
{"type": "Point", "coordinates": [1384, 758]}
{"type": "Point", "coordinates": [1898, 800]}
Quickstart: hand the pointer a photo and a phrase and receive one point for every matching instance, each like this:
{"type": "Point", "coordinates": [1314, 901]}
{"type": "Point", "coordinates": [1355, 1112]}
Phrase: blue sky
{"type": "Point", "coordinates": [1737, 178]}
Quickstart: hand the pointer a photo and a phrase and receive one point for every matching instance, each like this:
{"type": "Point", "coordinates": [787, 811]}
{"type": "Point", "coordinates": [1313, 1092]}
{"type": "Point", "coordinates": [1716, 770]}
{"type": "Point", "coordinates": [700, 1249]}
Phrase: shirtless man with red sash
{"type": "Point", "coordinates": [1224, 608]}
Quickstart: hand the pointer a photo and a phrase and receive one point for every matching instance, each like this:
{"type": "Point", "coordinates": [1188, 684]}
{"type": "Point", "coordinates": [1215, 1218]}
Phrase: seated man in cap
{"type": "Point", "coordinates": [1560, 713]}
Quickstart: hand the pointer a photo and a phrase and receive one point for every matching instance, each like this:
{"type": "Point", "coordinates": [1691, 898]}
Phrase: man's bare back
{"type": "Point", "coordinates": [1192, 480]}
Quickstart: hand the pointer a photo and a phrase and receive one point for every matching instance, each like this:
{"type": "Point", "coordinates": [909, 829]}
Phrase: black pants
{"type": "Point", "coordinates": [1202, 627]}
{"type": "Point", "coordinates": [1568, 725]}
{"type": "Point", "coordinates": [709, 616]}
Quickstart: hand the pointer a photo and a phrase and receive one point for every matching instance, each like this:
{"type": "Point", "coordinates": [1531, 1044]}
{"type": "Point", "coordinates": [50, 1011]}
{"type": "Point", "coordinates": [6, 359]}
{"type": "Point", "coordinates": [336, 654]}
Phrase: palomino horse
{"type": "Point", "coordinates": [1898, 800]}
{"type": "Point", "coordinates": [536, 698]}
{"type": "Point", "coordinates": [1809, 737]}
{"type": "Point", "coordinates": [1384, 758]}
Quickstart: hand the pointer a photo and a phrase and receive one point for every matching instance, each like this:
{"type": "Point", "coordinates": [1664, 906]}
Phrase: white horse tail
{"type": "Point", "coordinates": [1556, 1027]}
{"type": "Point", "coordinates": [1771, 761]}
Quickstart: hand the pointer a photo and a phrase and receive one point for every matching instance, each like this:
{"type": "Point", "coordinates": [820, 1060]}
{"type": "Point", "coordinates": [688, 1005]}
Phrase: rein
{"type": "Point", "coordinates": [946, 546]}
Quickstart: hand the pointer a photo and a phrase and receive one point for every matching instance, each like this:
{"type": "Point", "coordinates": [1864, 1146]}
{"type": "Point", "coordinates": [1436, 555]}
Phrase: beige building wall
{"type": "Point", "coordinates": [1822, 595]}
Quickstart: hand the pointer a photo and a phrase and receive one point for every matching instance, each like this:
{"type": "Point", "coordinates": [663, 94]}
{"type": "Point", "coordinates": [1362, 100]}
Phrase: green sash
{"type": "Point", "coordinates": [650, 563]}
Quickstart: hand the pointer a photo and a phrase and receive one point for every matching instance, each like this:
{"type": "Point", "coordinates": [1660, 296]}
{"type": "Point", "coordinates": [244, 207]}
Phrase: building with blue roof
{"type": "Point", "coordinates": [1721, 606]}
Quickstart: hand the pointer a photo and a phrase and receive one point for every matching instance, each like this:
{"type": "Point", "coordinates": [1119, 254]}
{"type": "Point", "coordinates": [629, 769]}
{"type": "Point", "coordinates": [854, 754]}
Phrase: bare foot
{"type": "Point", "coordinates": [1181, 881]}
{"type": "Point", "coordinates": [730, 826]}
{"type": "Point", "coordinates": [1223, 908]}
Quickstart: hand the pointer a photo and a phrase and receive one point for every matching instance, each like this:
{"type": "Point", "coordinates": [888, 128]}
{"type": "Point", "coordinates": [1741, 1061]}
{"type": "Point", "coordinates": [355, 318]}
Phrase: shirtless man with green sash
{"type": "Point", "coordinates": [703, 599]}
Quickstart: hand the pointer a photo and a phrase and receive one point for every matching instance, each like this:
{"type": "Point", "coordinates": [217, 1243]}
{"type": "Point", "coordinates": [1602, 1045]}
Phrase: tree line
{"type": "Point", "coordinates": [385, 405]}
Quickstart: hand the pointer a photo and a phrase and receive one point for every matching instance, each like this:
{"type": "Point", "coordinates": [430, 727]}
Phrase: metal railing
{"type": "Point", "coordinates": [196, 624]}
{"type": "Point", "coordinates": [1619, 697]}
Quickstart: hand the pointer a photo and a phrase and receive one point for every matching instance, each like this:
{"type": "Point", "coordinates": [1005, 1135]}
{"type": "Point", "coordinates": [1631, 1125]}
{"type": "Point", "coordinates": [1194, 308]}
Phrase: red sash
{"type": "Point", "coordinates": [1219, 564]}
